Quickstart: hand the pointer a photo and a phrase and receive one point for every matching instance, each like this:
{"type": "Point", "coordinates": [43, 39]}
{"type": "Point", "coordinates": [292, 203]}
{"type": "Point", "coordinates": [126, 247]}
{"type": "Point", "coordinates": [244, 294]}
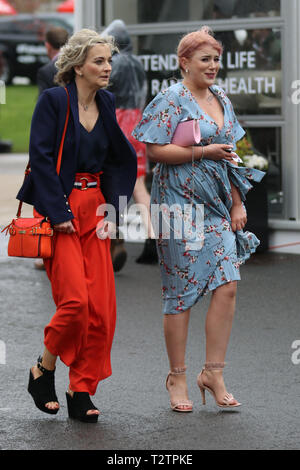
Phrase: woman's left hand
{"type": "Point", "coordinates": [238, 217]}
{"type": "Point", "coordinates": [65, 227]}
{"type": "Point", "coordinates": [105, 229]}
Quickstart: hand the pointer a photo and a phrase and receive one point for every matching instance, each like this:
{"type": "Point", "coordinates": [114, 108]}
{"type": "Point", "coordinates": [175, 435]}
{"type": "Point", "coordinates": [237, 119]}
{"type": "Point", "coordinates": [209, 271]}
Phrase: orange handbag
{"type": "Point", "coordinates": [32, 237]}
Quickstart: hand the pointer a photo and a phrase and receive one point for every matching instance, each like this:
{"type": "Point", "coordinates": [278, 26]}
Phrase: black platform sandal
{"type": "Point", "coordinates": [42, 389]}
{"type": "Point", "coordinates": [79, 405]}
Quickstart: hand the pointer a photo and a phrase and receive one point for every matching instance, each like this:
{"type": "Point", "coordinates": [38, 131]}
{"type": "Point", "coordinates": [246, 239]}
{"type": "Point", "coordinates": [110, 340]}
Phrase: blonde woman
{"type": "Point", "coordinates": [98, 166]}
{"type": "Point", "coordinates": [214, 181]}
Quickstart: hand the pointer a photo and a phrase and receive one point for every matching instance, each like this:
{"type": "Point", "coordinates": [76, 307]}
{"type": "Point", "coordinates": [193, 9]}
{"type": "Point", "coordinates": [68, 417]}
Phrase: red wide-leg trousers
{"type": "Point", "coordinates": [83, 287]}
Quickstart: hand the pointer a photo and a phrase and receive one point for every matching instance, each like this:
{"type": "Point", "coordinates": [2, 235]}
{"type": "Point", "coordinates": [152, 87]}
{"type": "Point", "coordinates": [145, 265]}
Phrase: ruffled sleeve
{"type": "Point", "coordinates": [160, 119]}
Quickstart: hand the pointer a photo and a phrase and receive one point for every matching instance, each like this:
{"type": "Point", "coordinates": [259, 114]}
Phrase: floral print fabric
{"type": "Point", "coordinates": [191, 269]}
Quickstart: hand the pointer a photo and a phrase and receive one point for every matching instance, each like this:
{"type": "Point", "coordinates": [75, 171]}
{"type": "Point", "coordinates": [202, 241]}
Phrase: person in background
{"type": "Point", "coordinates": [128, 84]}
{"type": "Point", "coordinates": [56, 37]}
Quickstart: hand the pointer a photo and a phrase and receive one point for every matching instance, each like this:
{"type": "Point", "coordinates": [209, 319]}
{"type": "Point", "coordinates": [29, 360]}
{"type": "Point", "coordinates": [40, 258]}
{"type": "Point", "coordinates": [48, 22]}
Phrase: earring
{"type": "Point", "coordinates": [186, 70]}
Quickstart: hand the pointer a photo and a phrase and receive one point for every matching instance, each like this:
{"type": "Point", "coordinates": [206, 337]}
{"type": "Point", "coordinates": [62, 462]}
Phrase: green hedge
{"type": "Point", "coordinates": [16, 114]}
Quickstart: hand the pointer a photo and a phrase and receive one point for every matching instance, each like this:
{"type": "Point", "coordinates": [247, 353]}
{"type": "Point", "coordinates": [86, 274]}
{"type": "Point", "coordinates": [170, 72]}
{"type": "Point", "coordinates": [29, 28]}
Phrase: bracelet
{"type": "Point", "coordinates": [202, 153]}
{"type": "Point", "coordinates": [193, 154]}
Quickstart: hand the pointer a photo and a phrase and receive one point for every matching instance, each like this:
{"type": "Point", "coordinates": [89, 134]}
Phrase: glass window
{"type": "Point", "coordinates": [250, 71]}
{"type": "Point", "coordinates": [253, 91]}
{"type": "Point", "coordinates": [253, 8]}
{"type": "Point", "coordinates": [157, 11]}
{"type": "Point", "coordinates": [266, 142]}
{"type": "Point", "coordinates": [158, 56]}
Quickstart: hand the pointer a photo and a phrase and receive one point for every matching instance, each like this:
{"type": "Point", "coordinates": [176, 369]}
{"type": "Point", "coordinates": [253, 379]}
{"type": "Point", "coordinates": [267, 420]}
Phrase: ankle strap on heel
{"type": "Point", "coordinates": [214, 365]}
{"type": "Point", "coordinates": [178, 371]}
{"type": "Point", "coordinates": [42, 369]}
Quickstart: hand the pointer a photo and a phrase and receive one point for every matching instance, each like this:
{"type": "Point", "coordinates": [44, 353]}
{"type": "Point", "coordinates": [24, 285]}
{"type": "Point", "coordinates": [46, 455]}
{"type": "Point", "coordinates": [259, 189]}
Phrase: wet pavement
{"type": "Point", "coordinates": [263, 359]}
{"type": "Point", "coordinates": [134, 404]}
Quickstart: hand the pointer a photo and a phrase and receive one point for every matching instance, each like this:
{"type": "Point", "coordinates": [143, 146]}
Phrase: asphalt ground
{"type": "Point", "coordinates": [134, 404]}
{"type": "Point", "coordinates": [262, 371]}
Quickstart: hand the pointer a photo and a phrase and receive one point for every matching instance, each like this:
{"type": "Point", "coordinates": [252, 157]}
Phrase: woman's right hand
{"type": "Point", "coordinates": [65, 227]}
{"type": "Point", "coordinates": [217, 152]}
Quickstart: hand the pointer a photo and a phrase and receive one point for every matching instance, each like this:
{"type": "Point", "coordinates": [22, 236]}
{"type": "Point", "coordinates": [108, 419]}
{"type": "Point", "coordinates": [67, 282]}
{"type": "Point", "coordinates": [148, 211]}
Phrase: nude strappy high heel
{"type": "Point", "coordinates": [228, 400]}
{"type": "Point", "coordinates": [176, 406]}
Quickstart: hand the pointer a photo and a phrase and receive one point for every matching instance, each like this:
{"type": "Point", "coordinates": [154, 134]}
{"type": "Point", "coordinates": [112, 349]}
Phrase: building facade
{"type": "Point", "coordinates": [260, 72]}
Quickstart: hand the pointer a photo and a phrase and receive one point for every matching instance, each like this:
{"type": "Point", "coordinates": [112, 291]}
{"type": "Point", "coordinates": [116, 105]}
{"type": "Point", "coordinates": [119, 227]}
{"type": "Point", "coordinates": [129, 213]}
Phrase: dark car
{"type": "Point", "coordinates": [1, 64]}
{"type": "Point", "coordinates": [22, 46]}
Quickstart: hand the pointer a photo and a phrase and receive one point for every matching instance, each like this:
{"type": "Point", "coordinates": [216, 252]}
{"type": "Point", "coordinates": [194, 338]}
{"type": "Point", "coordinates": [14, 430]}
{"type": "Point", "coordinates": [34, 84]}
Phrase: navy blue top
{"type": "Point", "coordinates": [93, 149]}
{"type": "Point", "coordinates": [43, 187]}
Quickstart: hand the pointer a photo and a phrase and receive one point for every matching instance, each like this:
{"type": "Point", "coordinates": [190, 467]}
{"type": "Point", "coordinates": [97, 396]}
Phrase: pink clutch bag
{"type": "Point", "coordinates": [187, 133]}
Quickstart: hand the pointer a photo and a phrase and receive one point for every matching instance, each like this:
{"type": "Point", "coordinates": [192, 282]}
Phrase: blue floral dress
{"type": "Point", "coordinates": [191, 266]}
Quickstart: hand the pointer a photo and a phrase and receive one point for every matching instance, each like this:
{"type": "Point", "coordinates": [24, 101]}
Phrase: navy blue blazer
{"type": "Point", "coordinates": [47, 191]}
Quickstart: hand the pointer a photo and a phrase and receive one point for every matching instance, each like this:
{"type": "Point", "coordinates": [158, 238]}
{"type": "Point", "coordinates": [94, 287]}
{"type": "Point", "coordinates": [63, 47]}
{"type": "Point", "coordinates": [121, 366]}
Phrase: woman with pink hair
{"type": "Point", "coordinates": [204, 175]}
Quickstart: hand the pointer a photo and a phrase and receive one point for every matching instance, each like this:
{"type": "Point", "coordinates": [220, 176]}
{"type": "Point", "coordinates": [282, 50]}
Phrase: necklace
{"type": "Point", "coordinates": [210, 98]}
{"type": "Point", "coordinates": [85, 106]}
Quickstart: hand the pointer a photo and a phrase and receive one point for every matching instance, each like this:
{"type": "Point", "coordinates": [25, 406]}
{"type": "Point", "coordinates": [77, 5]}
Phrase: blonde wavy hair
{"type": "Point", "coordinates": [75, 51]}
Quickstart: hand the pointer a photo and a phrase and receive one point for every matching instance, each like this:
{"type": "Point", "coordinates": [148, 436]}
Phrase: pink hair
{"type": "Point", "coordinates": [191, 42]}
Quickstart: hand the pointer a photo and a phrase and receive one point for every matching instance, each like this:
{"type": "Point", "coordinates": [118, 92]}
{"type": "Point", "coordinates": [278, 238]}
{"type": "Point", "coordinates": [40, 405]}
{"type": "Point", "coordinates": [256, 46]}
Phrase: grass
{"type": "Point", "coordinates": [16, 114]}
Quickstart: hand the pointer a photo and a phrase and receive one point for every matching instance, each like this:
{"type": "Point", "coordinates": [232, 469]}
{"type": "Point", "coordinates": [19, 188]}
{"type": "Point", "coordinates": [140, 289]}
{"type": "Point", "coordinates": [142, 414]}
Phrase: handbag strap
{"type": "Point", "coordinates": [58, 164]}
